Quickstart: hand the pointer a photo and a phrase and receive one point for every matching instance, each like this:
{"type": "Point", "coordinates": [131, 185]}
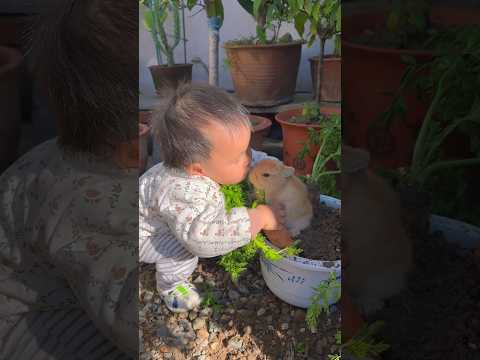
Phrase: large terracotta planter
{"type": "Point", "coordinates": [170, 76]}
{"type": "Point", "coordinates": [296, 135]}
{"type": "Point", "coordinates": [10, 111]}
{"type": "Point", "coordinates": [331, 77]}
{"type": "Point", "coordinates": [373, 75]}
{"type": "Point", "coordinates": [264, 75]}
{"type": "Point", "coordinates": [261, 127]}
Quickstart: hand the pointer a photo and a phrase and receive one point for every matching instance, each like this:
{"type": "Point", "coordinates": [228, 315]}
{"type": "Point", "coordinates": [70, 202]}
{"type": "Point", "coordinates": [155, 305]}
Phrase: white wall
{"type": "Point", "coordinates": [237, 23]}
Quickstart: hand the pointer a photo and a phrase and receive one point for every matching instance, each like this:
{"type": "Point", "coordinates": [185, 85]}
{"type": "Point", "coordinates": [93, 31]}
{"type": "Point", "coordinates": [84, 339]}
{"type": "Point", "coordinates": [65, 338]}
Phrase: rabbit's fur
{"type": "Point", "coordinates": [374, 241]}
{"type": "Point", "coordinates": [281, 186]}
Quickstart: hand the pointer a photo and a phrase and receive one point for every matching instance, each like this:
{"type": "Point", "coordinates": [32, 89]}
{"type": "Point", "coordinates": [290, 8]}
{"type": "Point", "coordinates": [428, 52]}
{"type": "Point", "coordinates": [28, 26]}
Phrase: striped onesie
{"type": "Point", "coordinates": [182, 218]}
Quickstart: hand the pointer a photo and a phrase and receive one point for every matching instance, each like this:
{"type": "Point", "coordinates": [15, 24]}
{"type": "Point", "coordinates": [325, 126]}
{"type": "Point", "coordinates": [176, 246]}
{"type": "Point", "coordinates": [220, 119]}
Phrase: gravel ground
{"type": "Point", "coordinates": [248, 322]}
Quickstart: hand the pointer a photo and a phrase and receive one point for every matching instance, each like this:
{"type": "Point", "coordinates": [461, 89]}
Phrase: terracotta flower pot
{"type": "Point", "coordinates": [170, 76]}
{"type": "Point", "coordinates": [12, 28]}
{"type": "Point", "coordinates": [331, 77]}
{"type": "Point", "coordinates": [261, 127]}
{"type": "Point", "coordinates": [10, 110]}
{"type": "Point", "coordinates": [296, 135]}
{"type": "Point", "coordinates": [264, 75]}
{"type": "Point", "coordinates": [373, 75]}
{"type": "Point", "coordinates": [144, 128]}
{"type": "Point", "coordinates": [352, 320]}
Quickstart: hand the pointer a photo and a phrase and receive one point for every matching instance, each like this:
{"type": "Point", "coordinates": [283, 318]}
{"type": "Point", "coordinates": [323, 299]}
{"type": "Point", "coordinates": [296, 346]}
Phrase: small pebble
{"type": "Point", "coordinates": [198, 280]}
{"type": "Point", "coordinates": [299, 315]}
{"type": "Point", "coordinates": [199, 323]}
{"type": "Point", "coordinates": [213, 327]}
{"type": "Point", "coordinates": [192, 315]}
{"type": "Point", "coordinates": [247, 330]}
{"type": "Point", "coordinates": [147, 296]}
{"type": "Point", "coordinates": [233, 295]}
{"type": "Point", "coordinates": [206, 311]}
{"type": "Point", "coordinates": [284, 326]}
{"type": "Point", "coordinates": [214, 346]}
{"type": "Point", "coordinates": [261, 311]}
{"type": "Point", "coordinates": [235, 343]}
{"type": "Point", "coordinates": [203, 334]}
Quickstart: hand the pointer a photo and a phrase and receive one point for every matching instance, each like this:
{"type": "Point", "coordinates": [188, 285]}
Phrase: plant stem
{"type": "Point", "coordinates": [213, 40]}
{"type": "Point", "coordinates": [445, 134]}
{"type": "Point", "coordinates": [318, 95]}
{"type": "Point", "coordinates": [158, 46]}
{"type": "Point", "coordinates": [184, 34]}
{"type": "Point", "coordinates": [417, 162]}
{"type": "Point", "coordinates": [168, 50]}
{"type": "Point", "coordinates": [447, 164]}
{"type": "Point", "coordinates": [332, 172]}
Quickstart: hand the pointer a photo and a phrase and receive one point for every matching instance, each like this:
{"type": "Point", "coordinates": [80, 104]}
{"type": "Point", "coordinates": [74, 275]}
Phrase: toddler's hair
{"type": "Point", "coordinates": [84, 56]}
{"type": "Point", "coordinates": [178, 124]}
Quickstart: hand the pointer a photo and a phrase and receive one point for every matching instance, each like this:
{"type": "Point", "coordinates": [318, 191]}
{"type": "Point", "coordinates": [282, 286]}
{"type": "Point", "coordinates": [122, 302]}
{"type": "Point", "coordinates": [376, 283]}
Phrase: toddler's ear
{"type": "Point", "coordinates": [288, 171]}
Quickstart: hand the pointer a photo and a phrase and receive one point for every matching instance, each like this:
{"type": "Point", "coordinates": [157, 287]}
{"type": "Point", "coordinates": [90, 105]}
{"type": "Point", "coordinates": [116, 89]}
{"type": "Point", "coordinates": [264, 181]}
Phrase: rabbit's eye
{"type": "Point", "coordinates": [266, 174]}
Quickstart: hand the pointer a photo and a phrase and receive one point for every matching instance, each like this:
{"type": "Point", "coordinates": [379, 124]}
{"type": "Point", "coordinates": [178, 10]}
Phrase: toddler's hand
{"type": "Point", "coordinates": [263, 218]}
{"type": "Point", "coordinates": [270, 220]}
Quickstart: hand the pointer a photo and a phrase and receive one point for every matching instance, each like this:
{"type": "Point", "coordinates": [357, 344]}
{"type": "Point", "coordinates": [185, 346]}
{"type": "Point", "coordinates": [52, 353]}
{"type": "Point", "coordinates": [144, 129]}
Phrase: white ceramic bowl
{"type": "Point", "coordinates": [293, 278]}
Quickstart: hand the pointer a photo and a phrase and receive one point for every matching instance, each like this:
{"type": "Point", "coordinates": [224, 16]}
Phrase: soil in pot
{"type": "Point", "coordinates": [321, 240]}
{"type": "Point", "coordinates": [301, 119]}
{"type": "Point", "coordinates": [437, 316]}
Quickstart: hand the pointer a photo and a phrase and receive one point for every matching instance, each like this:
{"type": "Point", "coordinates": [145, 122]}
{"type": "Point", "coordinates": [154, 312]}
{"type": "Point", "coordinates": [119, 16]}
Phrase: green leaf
{"type": "Point", "coordinates": [191, 4]}
{"type": "Point", "coordinates": [256, 6]}
{"type": "Point", "coordinates": [247, 5]}
{"type": "Point", "coordinates": [300, 21]}
{"type": "Point", "coordinates": [215, 9]}
{"type": "Point", "coordinates": [148, 20]}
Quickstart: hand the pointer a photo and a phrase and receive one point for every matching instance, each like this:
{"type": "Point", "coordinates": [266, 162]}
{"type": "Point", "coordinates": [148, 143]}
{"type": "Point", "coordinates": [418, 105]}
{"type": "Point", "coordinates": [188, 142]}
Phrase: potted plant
{"type": "Point", "coordinates": [155, 21]}
{"type": "Point", "coordinates": [442, 119]}
{"type": "Point", "coordinates": [324, 19]}
{"type": "Point", "coordinates": [300, 128]}
{"type": "Point", "coordinates": [264, 68]}
{"type": "Point", "coordinates": [375, 45]}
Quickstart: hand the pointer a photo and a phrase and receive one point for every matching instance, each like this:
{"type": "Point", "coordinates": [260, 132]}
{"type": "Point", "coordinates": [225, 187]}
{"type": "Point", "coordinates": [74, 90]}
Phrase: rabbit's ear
{"type": "Point", "coordinates": [354, 159]}
{"type": "Point", "coordinates": [288, 171]}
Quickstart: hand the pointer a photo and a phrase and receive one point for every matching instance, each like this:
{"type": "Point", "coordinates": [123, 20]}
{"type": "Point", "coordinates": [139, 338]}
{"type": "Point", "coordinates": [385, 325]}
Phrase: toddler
{"type": "Point", "coordinates": [204, 137]}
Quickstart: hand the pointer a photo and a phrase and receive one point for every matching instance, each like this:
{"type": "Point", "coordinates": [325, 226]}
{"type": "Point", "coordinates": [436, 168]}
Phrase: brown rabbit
{"type": "Point", "coordinates": [375, 244]}
{"type": "Point", "coordinates": [282, 187]}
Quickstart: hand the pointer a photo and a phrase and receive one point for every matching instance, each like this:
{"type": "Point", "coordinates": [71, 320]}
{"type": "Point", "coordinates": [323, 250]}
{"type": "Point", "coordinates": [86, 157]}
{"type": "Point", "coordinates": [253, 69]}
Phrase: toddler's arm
{"type": "Point", "coordinates": [200, 222]}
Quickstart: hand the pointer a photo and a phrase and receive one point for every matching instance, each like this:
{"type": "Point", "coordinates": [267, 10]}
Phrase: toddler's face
{"type": "Point", "coordinates": [229, 160]}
